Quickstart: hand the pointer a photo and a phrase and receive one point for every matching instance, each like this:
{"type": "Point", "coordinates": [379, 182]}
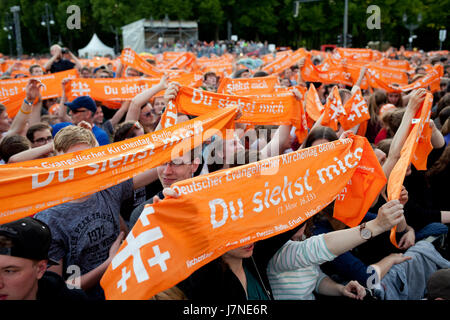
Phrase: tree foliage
{"type": "Point", "coordinates": [317, 22]}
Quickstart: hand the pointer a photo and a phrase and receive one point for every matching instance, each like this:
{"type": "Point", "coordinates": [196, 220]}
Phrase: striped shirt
{"type": "Point", "coordinates": [294, 271]}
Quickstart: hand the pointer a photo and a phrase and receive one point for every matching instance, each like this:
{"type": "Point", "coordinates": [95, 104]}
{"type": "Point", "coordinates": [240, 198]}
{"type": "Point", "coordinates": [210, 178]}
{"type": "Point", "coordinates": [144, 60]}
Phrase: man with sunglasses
{"type": "Point", "coordinates": [82, 109]}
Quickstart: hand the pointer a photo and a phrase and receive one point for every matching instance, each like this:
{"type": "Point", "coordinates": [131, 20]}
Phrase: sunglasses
{"type": "Point", "coordinates": [78, 111]}
{"type": "Point", "coordinates": [153, 112]}
{"type": "Point", "coordinates": [44, 139]}
{"type": "Point", "coordinates": [136, 125]}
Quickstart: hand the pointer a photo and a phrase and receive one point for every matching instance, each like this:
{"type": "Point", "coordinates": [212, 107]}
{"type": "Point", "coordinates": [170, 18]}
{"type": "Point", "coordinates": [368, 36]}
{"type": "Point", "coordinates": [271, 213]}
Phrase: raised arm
{"type": "Point", "coordinates": [437, 139]}
{"type": "Point", "coordinates": [142, 98]}
{"type": "Point", "coordinates": [280, 140]}
{"type": "Point", "coordinates": [62, 110]}
{"type": "Point", "coordinates": [50, 62]}
{"type": "Point", "coordinates": [120, 113]}
{"type": "Point", "coordinates": [389, 215]}
{"type": "Point", "coordinates": [357, 84]}
{"type": "Point", "coordinates": [145, 178]}
{"type": "Point", "coordinates": [33, 153]}
{"type": "Point", "coordinates": [90, 279]}
{"type": "Point", "coordinates": [77, 62]}
{"type": "Point", "coordinates": [402, 133]}
{"type": "Point", "coordinates": [301, 64]}
{"type": "Point", "coordinates": [170, 94]}
{"type": "Point", "coordinates": [20, 120]}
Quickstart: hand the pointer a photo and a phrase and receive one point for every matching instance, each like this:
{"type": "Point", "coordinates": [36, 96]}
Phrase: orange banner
{"type": "Point", "coordinates": [408, 153]}
{"type": "Point", "coordinates": [188, 79]}
{"type": "Point", "coordinates": [314, 107]}
{"type": "Point", "coordinates": [32, 186]}
{"type": "Point", "coordinates": [388, 75]}
{"type": "Point", "coordinates": [169, 116]}
{"type": "Point", "coordinates": [183, 61]}
{"type": "Point", "coordinates": [275, 109]}
{"type": "Point", "coordinates": [285, 61]}
{"type": "Point", "coordinates": [333, 110]}
{"type": "Point", "coordinates": [357, 54]}
{"type": "Point", "coordinates": [109, 89]}
{"type": "Point", "coordinates": [248, 86]}
{"type": "Point", "coordinates": [431, 79]}
{"type": "Point", "coordinates": [219, 212]}
{"type": "Point", "coordinates": [130, 58]}
{"type": "Point", "coordinates": [329, 73]}
{"type": "Point", "coordinates": [12, 90]}
{"type": "Point", "coordinates": [356, 111]}
{"type": "Point", "coordinates": [396, 64]}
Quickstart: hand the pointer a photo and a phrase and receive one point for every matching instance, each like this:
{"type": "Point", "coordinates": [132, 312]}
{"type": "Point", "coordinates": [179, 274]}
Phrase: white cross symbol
{"type": "Point", "coordinates": [337, 108]}
{"type": "Point", "coordinates": [123, 281]}
{"type": "Point", "coordinates": [128, 56]}
{"type": "Point", "coordinates": [356, 106]}
{"type": "Point", "coordinates": [143, 217]}
{"type": "Point", "coordinates": [159, 258]}
{"type": "Point", "coordinates": [80, 89]}
{"type": "Point", "coordinates": [351, 117]}
{"type": "Point", "coordinates": [133, 248]}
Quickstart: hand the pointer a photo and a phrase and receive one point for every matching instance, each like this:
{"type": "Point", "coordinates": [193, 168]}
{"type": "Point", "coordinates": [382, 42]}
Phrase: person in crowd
{"type": "Point", "coordinates": [210, 82]}
{"type": "Point", "coordinates": [376, 101]}
{"type": "Point", "coordinates": [36, 70]}
{"type": "Point", "coordinates": [60, 60]}
{"type": "Point", "coordinates": [99, 117]}
{"type": "Point", "coordinates": [30, 105]}
{"type": "Point", "coordinates": [39, 134]}
{"type": "Point", "coordinates": [438, 285]}
{"type": "Point", "coordinates": [141, 109]}
{"type": "Point", "coordinates": [11, 145]}
{"type": "Point", "coordinates": [90, 246]}
{"type": "Point", "coordinates": [24, 261]}
{"type": "Point", "coordinates": [177, 169]}
{"type": "Point", "coordinates": [85, 73]}
{"type": "Point", "coordinates": [294, 271]}
{"type": "Point", "coordinates": [82, 108]}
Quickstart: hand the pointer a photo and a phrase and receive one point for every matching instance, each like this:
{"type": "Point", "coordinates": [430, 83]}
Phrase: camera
{"type": "Point", "coordinates": [64, 50]}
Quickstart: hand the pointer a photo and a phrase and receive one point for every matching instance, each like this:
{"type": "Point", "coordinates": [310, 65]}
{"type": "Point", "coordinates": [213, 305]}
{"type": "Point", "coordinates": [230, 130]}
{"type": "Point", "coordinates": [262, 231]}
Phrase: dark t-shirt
{"type": "Point", "coordinates": [61, 65]}
{"type": "Point", "coordinates": [52, 287]}
{"type": "Point", "coordinates": [82, 233]}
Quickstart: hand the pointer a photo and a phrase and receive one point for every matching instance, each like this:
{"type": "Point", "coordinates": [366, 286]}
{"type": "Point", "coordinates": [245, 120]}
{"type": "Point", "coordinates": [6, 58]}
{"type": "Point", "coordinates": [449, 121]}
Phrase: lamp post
{"type": "Point", "coordinates": [47, 20]}
{"type": "Point", "coordinates": [411, 27]}
{"type": "Point", "coordinates": [345, 28]}
{"type": "Point", "coordinates": [8, 28]}
{"type": "Point", "coordinates": [15, 10]}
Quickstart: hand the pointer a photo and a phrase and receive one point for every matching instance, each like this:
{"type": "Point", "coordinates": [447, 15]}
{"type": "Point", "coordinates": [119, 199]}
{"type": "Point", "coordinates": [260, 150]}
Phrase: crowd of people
{"type": "Point", "coordinates": [319, 259]}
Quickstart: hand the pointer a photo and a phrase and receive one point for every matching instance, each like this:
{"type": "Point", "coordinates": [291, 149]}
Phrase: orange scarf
{"type": "Point", "coordinates": [32, 186]}
{"type": "Point", "coordinates": [235, 207]}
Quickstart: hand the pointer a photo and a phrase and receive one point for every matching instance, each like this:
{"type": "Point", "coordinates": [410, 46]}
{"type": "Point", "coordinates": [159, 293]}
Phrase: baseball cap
{"type": "Point", "coordinates": [82, 102]}
{"type": "Point", "coordinates": [438, 285]}
{"type": "Point", "coordinates": [30, 238]}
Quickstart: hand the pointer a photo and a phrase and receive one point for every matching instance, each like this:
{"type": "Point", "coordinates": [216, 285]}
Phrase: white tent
{"type": "Point", "coordinates": [95, 47]}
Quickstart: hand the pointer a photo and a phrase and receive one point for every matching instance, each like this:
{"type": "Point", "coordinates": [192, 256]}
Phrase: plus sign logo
{"type": "Point", "coordinates": [133, 247]}
{"type": "Point", "coordinates": [336, 108]}
{"type": "Point", "coordinates": [79, 89]}
{"type": "Point", "coordinates": [359, 107]}
{"type": "Point", "coordinates": [128, 56]}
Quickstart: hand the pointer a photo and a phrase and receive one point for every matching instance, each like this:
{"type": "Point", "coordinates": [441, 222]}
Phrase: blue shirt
{"type": "Point", "coordinates": [99, 133]}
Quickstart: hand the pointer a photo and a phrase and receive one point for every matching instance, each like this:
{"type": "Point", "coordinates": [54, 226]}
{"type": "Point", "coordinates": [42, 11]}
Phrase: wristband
{"type": "Point", "coordinates": [25, 112]}
{"type": "Point", "coordinates": [28, 102]}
